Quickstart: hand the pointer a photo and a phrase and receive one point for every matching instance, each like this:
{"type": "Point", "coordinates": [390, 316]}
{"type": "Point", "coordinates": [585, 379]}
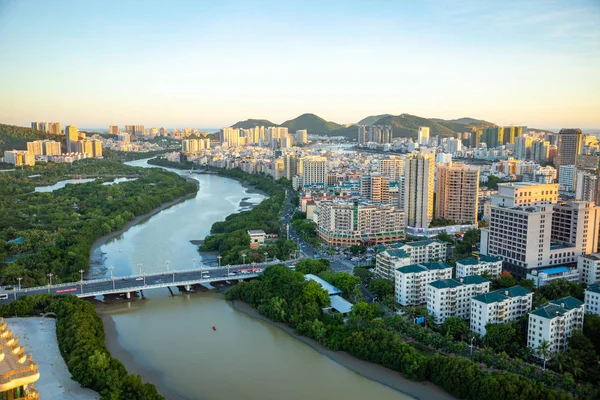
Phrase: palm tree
{"type": "Point", "coordinates": [543, 352]}
{"type": "Point", "coordinates": [560, 361]}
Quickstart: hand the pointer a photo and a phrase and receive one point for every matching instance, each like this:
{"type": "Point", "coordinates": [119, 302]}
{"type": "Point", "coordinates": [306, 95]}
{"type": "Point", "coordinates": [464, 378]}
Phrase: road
{"type": "Point", "coordinates": [97, 287]}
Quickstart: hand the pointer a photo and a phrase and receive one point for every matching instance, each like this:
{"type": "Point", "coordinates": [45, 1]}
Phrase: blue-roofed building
{"type": "Point", "coordinates": [339, 305]}
{"type": "Point", "coordinates": [544, 276]}
{"type": "Point", "coordinates": [592, 299]}
{"type": "Point", "coordinates": [411, 281]}
{"type": "Point", "coordinates": [500, 306]}
{"type": "Point", "coordinates": [402, 254]}
{"type": "Point", "coordinates": [452, 297]}
{"type": "Point", "coordinates": [331, 290]}
{"type": "Point", "coordinates": [555, 322]}
{"type": "Point", "coordinates": [477, 266]}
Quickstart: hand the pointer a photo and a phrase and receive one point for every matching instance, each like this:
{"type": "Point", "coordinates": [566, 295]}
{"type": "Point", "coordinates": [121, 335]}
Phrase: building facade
{"type": "Point", "coordinates": [403, 254]}
{"type": "Point", "coordinates": [592, 299]}
{"type": "Point", "coordinates": [452, 297]}
{"type": "Point", "coordinates": [588, 266]}
{"type": "Point", "coordinates": [499, 307]}
{"type": "Point", "coordinates": [418, 190]}
{"type": "Point", "coordinates": [19, 158]}
{"type": "Point", "coordinates": [491, 266]}
{"type": "Point", "coordinates": [457, 192]}
{"type": "Point", "coordinates": [555, 322]}
{"type": "Point", "coordinates": [412, 280]}
{"type": "Point", "coordinates": [569, 147]}
{"type": "Point", "coordinates": [375, 188]}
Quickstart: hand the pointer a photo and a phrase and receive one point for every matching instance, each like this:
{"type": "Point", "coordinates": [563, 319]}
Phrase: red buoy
{"type": "Point", "coordinates": [214, 328]}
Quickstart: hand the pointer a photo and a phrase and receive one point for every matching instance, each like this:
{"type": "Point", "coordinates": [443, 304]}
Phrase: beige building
{"type": "Point", "coordinates": [72, 135]}
{"type": "Point", "coordinates": [113, 129]}
{"type": "Point", "coordinates": [35, 148]}
{"type": "Point", "coordinates": [348, 223]}
{"type": "Point", "coordinates": [375, 188]}
{"type": "Point", "coordinates": [18, 372]}
{"type": "Point", "coordinates": [313, 170]}
{"type": "Point", "coordinates": [392, 167]}
{"type": "Point", "coordinates": [44, 147]}
{"type": "Point", "coordinates": [19, 157]}
{"type": "Point", "coordinates": [457, 193]}
{"type": "Point", "coordinates": [418, 190]}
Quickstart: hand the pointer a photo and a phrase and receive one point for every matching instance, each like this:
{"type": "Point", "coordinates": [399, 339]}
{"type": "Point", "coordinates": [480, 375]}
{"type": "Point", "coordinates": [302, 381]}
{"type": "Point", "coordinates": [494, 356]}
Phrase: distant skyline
{"type": "Point", "coordinates": [210, 64]}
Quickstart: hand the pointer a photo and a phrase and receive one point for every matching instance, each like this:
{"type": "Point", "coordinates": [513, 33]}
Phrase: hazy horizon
{"type": "Point", "coordinates": [206, 64]}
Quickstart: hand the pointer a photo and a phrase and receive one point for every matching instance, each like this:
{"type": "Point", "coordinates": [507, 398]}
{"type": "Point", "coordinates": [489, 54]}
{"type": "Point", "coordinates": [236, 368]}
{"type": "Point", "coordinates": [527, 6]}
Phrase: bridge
{"type": "Point", "coordinates": [133, 283]}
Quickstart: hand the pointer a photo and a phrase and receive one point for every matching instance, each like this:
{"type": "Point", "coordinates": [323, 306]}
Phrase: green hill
{"type": "Point", "coordinates": [251, 123]}
{"type": "Point", "coordinates": [16, 137]}
{"type": "Point", "coordinates": [370, 120]}
{"type": "Point", "coordinates": [406, 125]}
{"type": "Point", "coordinates": [313, 123]}
{"type": "Point", "coordinates": [459, 124]}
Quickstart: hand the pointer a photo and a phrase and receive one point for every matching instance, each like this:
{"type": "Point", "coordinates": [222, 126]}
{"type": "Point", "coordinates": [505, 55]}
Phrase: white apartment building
{"type": "Point", "coordinates": [499, 307]}
{"type": "Point", "coordinates": [477, 266]}
{"type": "Point", "coordinates": [403, 254]}
{"type": "Point", "coordinates": [592, 299]}
{"type": "Point", "coordinates": [567, 177]}
{"type": "Point", "coordinates": [555, 323]}
{"type": "Point", "coordinates": [411, 281]}
{"type": "Point", "coordinates": [529, 230]}
{"type": "Point", "coordinates": [348, 223]}
{"type": "Point", "coordinates": [313, 171]}
{"type": "Point", "coordinates": [543, 277]}
{"type": "Point", "coordinates": [418, 190]}
{"type": "Point", "coordinates": [452, 297]}
{"type": "Point", "coordinates": [457, 192]}
{"type": "Point", "coordinates": [586, 187]}
{"type": "Point", "coordinates": [589, 268]}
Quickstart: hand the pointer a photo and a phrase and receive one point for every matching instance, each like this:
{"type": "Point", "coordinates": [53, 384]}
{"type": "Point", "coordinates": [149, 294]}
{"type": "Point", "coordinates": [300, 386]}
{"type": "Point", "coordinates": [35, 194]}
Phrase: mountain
{"type": "Point", "coordinates": [406, 125]}
{"type": "Point", "coordinates": [370, 120]}
{"type": "Point", "coordinates": [251, 123]}
{"type": "Point", "coordinates": [16, 137]}
{"type": "Point", "coordinates": [313, 123]}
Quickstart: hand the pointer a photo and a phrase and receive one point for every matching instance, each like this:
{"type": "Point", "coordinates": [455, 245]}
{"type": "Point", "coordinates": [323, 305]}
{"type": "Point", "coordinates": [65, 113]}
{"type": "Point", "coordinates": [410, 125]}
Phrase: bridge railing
{"type": "Point", "coordinates": [147, 275]}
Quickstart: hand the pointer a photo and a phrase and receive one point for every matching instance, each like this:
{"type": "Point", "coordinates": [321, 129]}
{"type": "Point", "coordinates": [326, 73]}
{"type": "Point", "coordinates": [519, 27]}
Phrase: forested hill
{"type": "Point", "coordinates": [16, 137]}
{"type": "Point", "coordinates": [404, 125]}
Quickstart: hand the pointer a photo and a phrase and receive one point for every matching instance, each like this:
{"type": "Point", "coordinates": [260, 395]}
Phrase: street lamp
{"type": "Point", "coordinates": [471, 345]}
{"type": "Point", "coordinates": [140, 265]}
{"type": "Point", "coordinates": [19, 279]}
{"type": "Point", "coordinates": [50, 281]}
{"type": "Point", "coordinates": [15, 292]}
{"type": "Point", "coordinates": [167, 262]}
{"type": "Point", "coordinates": [144, 279]}
{"type": "Point", "coordinates": [228, 269]}
{"type": "Point", "coordinates": [219, 258]}
{"type": "Point", "coordinates": [81, 281]}
{"type": "Point", "coordinates": [112, 278]}
{"type": "Point", "coordinates": [173, 275]}
{"type": "Point", "coordinates": [194, 261]}
{"type": "Point", "coordinates": [243, 258]}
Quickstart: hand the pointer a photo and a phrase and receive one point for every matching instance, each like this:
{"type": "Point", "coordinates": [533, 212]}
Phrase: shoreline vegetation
{"type": "Point", "coordinates": [229, 237]}
{"type": "Point", "coordinates": [59, 228]}
{"type": "Point", "coordinates": [284, 296]}
{"type": "Point", "coordinates": [81, 341]}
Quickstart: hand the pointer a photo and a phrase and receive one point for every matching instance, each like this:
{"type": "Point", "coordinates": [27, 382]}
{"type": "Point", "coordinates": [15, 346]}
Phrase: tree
{"type": "Point", "coordinates": [543, 351]}
{"type": "Point", "coordinates": [500, 336]}
{"type": "Point", "coordinates": [506, 280]}
{"type": "Point", "coordinates": [364, 275]}
{"type": "Point", "coordinates": [308, 266]}
{"type": "Point", "coordinates": [528, 284]}
{"type": "Point", "coordinates": [456, 327]}
{"type": "Point", "coordinates": [381, 287]}
{"type": "Point", "coordinates": [357, 249]}
{"type": "Point", "coordinates": [445, 237]}
{"type": "Point", "coordinates": [345, 282]}
{"type": "Point", "coordinates": [591, 329]}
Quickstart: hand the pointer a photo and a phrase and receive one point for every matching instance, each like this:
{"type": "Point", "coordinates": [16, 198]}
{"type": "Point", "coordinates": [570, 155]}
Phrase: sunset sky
{"type": "Point", "coordinates": [209, 64]}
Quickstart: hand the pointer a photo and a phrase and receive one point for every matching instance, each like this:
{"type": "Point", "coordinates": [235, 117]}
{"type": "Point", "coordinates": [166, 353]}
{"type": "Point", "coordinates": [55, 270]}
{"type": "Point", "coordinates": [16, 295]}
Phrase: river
{"type": "Point", "coordinates": [170, 340]}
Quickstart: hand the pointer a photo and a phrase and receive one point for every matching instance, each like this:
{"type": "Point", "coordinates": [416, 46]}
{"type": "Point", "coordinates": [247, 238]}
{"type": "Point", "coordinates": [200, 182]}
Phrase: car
{"type": "Point", "coordinates": [231, 274]}
{"type": "Point", "coordinates": [139, 279]}
{"type": "Point", "coordinates": [205, 276]}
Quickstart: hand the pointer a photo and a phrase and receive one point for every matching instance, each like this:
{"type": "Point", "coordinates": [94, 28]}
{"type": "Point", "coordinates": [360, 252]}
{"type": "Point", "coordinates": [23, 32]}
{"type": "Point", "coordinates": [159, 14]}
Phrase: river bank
{"type": "Point", "coordinates": [95, 255]}
{"type": "Point", "coordinates": [374, 372]}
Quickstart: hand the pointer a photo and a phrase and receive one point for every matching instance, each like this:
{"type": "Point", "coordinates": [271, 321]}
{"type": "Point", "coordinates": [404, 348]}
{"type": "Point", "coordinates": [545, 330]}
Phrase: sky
{"type": "Point", "coordinates": [209, 64]}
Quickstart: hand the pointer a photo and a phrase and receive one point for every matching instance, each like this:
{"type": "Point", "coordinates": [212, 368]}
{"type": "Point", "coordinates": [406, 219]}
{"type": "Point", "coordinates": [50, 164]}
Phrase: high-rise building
{"type": "Point", "coordinates": [392, 167]}
{"type": "Point", "coordinates": [540, 150]}
{"type": "Point", "coordinates": [423, 135]}
{"type": "Point", "coordinates": [362, 134]}
{"type": "Point", "coordinates": [301, 136]}
{"type": "Point", "coordinates": [19, 157]}
{"type": "Point", "coordinates": [313, 170]}
{"type": "Point", "coordinates": [379, 134]}
{"type": "Point", "coordinates": [457, 193]}
{"type": "Point", "coordinates": [567, 177]}
{"type": "Point", "coordinates": [38, 126]}
{"type": "Point", "coordinates": [452, 297]}
{"type": "Point", "coordinates": [587, 186]}
{"type": "Point", "coordinates": [523, 148]}
{"type": "Point", "coordinates": [348, 223]}
{"type": "Point", "coordinates": [96, 148]}
{"type": "Point", "coordinates": [529, 229]}
{"type": "Point", "coordinates": [113, 129]}
{"type": "Point", "coordinates": [72, 135]}
{"type": "Point", "coordinates": [43, 147]}
{"type": "Point", "coordinates": [290, 165]}
{"type": "Point", "coordinates": [418, 190]}
{"type": "Point", "coordinates": [569, 147]}
{"type": "Point", "coordinates": [230, 137]}
{"type": "Point", "coordinates": [135, 130]}
{"type": "Point", "coordinates": [35, 148]}
{"type": "Point", "coordinates": [375, 187]}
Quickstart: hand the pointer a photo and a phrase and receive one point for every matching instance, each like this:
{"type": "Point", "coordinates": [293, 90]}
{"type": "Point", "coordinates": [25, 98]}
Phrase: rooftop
{"type": "Point", "coordinates": [560, 247]}
{"type": "Point", "coordinates": [554, 270]}
{"type": "Point", "coordinates": [567, 303]}
{"type": "Point", "coordinates": [468, 261]}
{"type": "Point", "coordinates": [594, 288]}
{"type": "Point", "coordinates": [340, 304]}
{"type": "Point", "coordinates": [595, 256]}
{"type": "Point", "coordinates": [548, 310]}
{"type": "Point", "coordinates": [434, 265]}
{"type": "Point", "coordinates": [256, 232]}
{"type": "Point", "coordinates": [397, 253]}
{"type": "Point", "coordinates": [514, 291]}
{"type": "Point", "coordinates": [324, 284]}
{"type": "Point", "coordinates": [489, 259]}
{"type": "Point", "coordinates": [489, 298]}
{"type": "Point", "coordinates": [445, 284]}
{"type": "Point", "coordinates": [473, 280]}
